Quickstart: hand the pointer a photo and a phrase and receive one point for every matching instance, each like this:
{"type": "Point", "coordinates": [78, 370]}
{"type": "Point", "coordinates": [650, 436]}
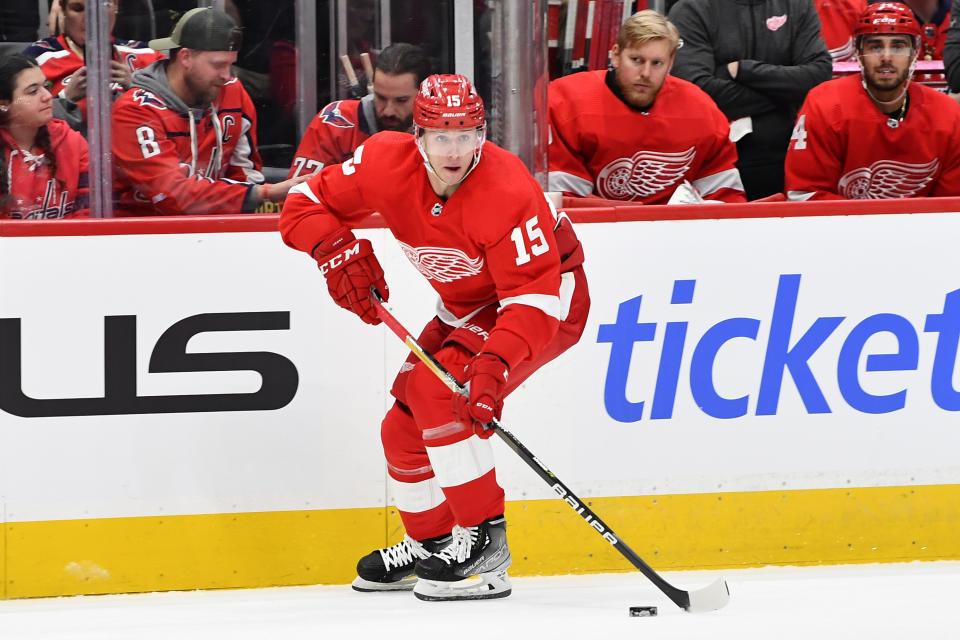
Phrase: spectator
{"type": "Point", "coordinates": [184, 137]}
{"type": "Point", "coordinates": [636, 133]}
{"type": "Point", "coordinates": [838, 19]}
{"type": "Point", "coordinates": [43, 163]}
{"type": "Point", "coordinates": [757, 59]}
{"type": "Point", "coordinates": [879, 136]}
{"type": "Point", "coordinates": [342, 126]}
{"type": "Point", "coordinates": [63, 60]}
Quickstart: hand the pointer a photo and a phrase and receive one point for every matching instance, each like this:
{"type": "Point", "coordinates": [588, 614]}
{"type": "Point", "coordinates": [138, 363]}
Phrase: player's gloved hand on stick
{"type": "Point", "coordinates": [351, 269]}
{"type": "Point", "coordinates": [486, 379]}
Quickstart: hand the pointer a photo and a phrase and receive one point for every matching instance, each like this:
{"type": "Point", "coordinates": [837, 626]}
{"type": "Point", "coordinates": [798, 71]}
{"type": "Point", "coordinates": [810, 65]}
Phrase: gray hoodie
{"type": "Point", "coordinates": [153, 78]}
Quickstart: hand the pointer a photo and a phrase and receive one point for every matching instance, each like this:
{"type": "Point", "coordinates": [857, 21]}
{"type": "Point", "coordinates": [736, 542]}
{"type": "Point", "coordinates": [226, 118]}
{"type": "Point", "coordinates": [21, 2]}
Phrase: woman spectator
{"type": "Point", "coordinates": [43, 173]}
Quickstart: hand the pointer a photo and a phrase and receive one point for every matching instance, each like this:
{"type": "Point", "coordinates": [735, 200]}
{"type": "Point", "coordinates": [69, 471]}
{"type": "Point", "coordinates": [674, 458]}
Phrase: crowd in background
{"type": "Point", "coordinates": [214, 143]}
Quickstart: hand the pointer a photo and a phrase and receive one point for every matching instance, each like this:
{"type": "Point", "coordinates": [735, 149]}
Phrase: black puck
{"type": "Point", "coordinates": [642, 612]}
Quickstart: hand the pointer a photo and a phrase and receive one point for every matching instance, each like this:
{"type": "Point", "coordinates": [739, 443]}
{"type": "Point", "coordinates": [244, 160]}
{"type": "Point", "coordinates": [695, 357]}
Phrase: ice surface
{"type": "Point", "coordinates": [875, 602]}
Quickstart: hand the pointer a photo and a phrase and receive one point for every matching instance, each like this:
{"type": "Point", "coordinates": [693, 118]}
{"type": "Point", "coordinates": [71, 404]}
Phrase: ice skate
{"type": "Point", "coordinates": [392, 568]}
{"type": "Point", "coordinates": [472, 567]}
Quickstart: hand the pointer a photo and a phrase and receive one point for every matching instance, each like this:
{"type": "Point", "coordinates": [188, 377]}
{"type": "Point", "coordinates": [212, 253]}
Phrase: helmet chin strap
{"type": "Point", "coordinates": [426, 161]}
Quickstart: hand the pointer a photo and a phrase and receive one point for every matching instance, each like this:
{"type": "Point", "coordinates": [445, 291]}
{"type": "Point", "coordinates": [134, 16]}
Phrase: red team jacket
{"type": "Point", "coordinates": [156, 169]}
{"type": "Point", "coordinates": [601, 146]}
{"type": "Point", "coordinates": [838, 19]}
{"type": "Point", "coordinates": [32, 192]}
{"type": "Point", "coordinates": [493, 239]}
{"type": "Point", "coordinates": [333, 134]}
{"type": "Point", "coordinates": [844, 147]}
{"type": "Point", "coordinates": [58, 61]}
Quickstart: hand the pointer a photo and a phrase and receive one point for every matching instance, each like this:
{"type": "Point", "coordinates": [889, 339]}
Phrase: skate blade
{"type": "Point", "coordinates": [484, 586]}
{"type": "Point", "coordinates": [368, 586]}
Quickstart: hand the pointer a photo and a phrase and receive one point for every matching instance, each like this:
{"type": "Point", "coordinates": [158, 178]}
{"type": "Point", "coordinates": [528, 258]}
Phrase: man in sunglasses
{"type": "Point", "coordinates": [877, 135]}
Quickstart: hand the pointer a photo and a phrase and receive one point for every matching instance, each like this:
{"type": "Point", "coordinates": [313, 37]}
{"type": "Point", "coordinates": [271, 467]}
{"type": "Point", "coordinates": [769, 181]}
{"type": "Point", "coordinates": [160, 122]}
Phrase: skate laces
{"type": "Point", "coordinates": [405, 552]}
{"type": "Point", "coordinates": [460, 546]}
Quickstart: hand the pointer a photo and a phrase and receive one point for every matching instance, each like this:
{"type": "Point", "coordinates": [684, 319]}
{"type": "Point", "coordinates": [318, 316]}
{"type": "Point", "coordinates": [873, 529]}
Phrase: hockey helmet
{"type": "Point", "coordinates": [447, 101]}
{"type": "Point", "coordinates": [887, 18]}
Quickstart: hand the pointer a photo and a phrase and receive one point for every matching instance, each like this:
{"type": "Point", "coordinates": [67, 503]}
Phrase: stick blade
{"type": "Point", "coordinates": [710, 598]}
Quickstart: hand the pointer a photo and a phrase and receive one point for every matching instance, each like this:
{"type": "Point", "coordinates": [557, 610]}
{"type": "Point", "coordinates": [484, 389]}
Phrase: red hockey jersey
{"type": "Point", "coordinates": [844, 147]}
{"type": "Point", "coordinates": [600, 146]}
{"type": "Point", "coordinates": [58, 62]}
{"type": "Point", "coordinates": [170, 159]}
{"type": "Point", "coordinates": [31, 192]}
{"type": "Point", "coordinates": [493, 239]}
{"type": "Point", "coordinates": [333, 134]}
{"type": "Point", "coordinates": [838, 18]}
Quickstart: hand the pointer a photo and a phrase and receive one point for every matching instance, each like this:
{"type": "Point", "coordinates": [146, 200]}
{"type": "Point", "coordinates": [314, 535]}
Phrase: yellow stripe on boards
{"type": "Point", "coordinates": [697, 531]}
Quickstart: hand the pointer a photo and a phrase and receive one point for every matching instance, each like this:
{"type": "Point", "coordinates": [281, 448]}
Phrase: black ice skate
{"type": "Point", "coordinates": [392, 569]}
{"type": "Point", "coordinates": [472, 567]}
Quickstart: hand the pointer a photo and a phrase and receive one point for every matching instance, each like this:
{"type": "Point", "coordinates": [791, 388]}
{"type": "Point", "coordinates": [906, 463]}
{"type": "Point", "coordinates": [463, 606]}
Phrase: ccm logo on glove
{"type": "Point", "coordinates": [351, 269]}
{"type": "Point", "coordinates": [486, 381]}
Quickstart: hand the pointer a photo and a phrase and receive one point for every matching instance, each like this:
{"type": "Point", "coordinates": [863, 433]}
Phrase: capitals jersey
{"type": "Point", "coordinates": [58, 62]}
{"type": "Point", "coordinates": [31, 192]}
{"type": "Point", "coordinates": [838, 19]}
{"type": "Point", "coordinates": [496, 238]}
{"type": "Point", "coordinates": [600, 146]}
{"type": "Point", "coordinates": [843, 146]}
{"type": "Point", "coordinates": [333, 134]}
{"type": "Point", "coordinates": [169, 162]}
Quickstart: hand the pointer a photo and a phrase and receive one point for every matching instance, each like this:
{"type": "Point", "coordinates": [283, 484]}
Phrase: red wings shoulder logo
{"type": "Point", "coordinates": [775, 22]}
{"type": "Point", "coordinates": [643, 174]}
{"type": "Point", "coordinates": [887, 179]}
{"type": "Point", "coordinates": [442, 264]}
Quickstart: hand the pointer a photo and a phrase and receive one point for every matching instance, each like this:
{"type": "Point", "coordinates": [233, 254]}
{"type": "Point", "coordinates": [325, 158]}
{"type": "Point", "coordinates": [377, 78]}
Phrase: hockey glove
{"type": "Point", "coordinates": [486, 379]}
{"type": "Point", "coordinates": [351, 269]}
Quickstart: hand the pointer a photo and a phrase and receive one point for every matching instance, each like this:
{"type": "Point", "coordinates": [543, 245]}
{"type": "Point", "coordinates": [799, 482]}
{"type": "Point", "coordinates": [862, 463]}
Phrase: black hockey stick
{"type": "Point", "coordinates": [710, 598]}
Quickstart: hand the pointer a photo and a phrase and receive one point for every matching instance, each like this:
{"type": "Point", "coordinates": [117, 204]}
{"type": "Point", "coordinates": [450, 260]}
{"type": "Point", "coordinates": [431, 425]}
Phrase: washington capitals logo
{"type": "Point", "coordinates": [331, 115]}
{"type": "Point", "coordinates": [147, 99]}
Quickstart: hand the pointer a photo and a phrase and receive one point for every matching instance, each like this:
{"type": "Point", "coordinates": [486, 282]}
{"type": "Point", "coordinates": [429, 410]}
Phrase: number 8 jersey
{"type": "Point", "coordinates": [496, 239]}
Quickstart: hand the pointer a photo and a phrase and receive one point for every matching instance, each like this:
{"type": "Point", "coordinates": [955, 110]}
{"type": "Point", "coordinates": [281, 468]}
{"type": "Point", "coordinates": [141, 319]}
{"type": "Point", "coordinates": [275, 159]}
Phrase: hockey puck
{"type": "Point", "coordinates": [642, 612]}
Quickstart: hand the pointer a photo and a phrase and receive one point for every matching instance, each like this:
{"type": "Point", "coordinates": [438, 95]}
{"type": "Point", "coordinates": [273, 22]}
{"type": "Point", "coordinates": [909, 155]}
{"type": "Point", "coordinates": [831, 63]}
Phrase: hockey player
{"type": "Point", "coordinates": [878, 135]}
{"type": "Point", "coordinates": [512, 296]}
{"type": "Point", "coordinates": [184, 137]}
{"type": "Point", "coordinates": [342, 126]}
{"type": "Point", "coordinates": [635, 132]}
{"type": "Point", "coordinates": [63, 60]}
{"type": "Point", "coordinates": [43, 163]}
{"type": "Point", "coordinates": [838, 19]}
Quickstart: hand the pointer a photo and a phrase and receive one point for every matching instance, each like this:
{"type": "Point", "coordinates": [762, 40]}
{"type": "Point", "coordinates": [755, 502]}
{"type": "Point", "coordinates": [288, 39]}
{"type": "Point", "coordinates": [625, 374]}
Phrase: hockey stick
{"type": "Point", "coordinates": [710, 598]}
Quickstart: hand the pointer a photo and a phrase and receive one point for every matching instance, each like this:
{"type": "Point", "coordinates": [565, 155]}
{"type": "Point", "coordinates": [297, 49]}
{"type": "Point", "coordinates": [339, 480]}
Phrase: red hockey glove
{"type": "Point", "coordinates": [486, 378]}
{"type": "Point", "coordinates": [351, 269]}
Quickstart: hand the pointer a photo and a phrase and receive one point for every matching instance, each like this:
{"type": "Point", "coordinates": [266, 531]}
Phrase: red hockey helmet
{"type": "Point", "coordinates": [447, 101]}
{"type": "Point", "coordinates": [887, 18]}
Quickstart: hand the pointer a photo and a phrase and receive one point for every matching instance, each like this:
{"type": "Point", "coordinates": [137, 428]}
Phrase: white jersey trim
{"type": "Point", "coordinates": [800, 196]}
{"type": "Point", "coordinates": [560, 181]}
{"type": "Point", "coordinates": [416, 497]}
{"type": "Point", "coordinates": [550, 305]}
{"type": "Point", "coordinates": [52, 55]}
{"type": "Point", "coordinates": [729, 179]}
{"type": "Point", "coordinates": [461, 462]}
{"type": "Point", "coordinates": [304, 189]}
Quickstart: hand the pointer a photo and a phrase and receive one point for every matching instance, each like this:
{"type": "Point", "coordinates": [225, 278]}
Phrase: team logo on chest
{"type": "Point", "coordinates": [887, 179]}
{"type": "Point", "coordinates": [643, 174]}
{"type": "Point", "coordinates": [442, 263]}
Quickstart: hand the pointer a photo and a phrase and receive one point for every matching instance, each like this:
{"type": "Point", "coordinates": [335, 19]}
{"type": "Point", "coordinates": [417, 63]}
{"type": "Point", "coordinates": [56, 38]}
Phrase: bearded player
{"type": "Point", "coordinates": [343, 125]}
{"type": "Point", "coordinates": [635, 132]}
{"type": "Point", "coordinates": [876, 135]}
{"type": "Point", "coordinates": [512, 296]}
